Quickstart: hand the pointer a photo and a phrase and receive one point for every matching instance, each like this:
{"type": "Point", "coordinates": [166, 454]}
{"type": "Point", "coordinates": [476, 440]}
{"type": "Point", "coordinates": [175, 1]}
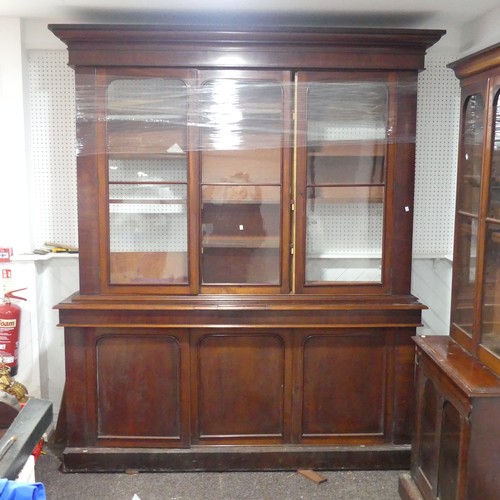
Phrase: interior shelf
{"type": "Point", "coordinates": [210, 241]}
{"type": "Point", "coordinates": [146, 206]}
{"type": "Point", "coordinates": [347, 194]}
{"type": "Point", "coordinates": [349, 148]}
{"type": "Point", "coordinates": [146, 155]}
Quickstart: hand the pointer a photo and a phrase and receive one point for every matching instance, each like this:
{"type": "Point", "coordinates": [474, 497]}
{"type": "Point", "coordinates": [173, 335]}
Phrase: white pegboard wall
{"type": "Point", "coordinates": [438, 117]}
{"type": "Point", "coordinates": [53, 148]}
{"type": "Point", "coordinates": [352, 229]}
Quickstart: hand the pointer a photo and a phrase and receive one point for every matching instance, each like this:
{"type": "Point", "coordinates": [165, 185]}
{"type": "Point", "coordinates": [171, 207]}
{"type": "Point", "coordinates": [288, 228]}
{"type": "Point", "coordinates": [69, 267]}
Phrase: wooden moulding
{"type": "Point", "coordinates": [157, 45]}
{"type": "Point", "coordinates": [235, 458]}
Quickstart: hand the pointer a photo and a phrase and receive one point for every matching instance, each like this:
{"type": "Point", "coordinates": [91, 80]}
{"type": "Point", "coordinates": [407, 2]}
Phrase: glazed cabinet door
{"type": "Point", "coordinates": [490, 306]}
{"type": "Point", "coordinates": [441, 439]}
{"type": "Point", "coordinates": [244, 120]}
{"type": "Point", "coordinates": [469, 198]}
{"type": "Point", "coordinates": [138, 158]}
{"type": "Point", "coordinates": [348, 152]}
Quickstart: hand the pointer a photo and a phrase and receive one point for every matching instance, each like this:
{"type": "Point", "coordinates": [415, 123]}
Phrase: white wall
{"type": "Point", "coordinates": [14, 194]}
{"type": "Point", "coordinates": [480, 32]}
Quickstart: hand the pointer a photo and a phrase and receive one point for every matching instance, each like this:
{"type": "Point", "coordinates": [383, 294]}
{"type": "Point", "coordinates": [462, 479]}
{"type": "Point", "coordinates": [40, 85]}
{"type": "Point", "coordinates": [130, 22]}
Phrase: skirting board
{"type": "Point", "coordinates": [236, 458]}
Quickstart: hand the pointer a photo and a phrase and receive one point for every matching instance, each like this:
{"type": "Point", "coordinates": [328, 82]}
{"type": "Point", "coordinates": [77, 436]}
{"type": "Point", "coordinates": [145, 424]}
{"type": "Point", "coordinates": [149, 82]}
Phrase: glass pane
{"type": "Point", "coordinates": [464, 272]}
{"type": "Point", "coordinates": [147, 116]}
{"type": "Point", "coordinates": [240, 115]}
{"type": "Point", "coordinates": [241, 164]}
{"type": "Point", "coordinates": [338, 169]}
{"type": "Point", "coordinates": [346, 151]}
{"type": "Point", "coordinates": [472, 156]}
{"type": "Point", "coordinates": [427, 459]}
{"type": "Point", "coordinates": [450, 453]}
{"type": "Point", "coordinates": [344, 234]}
{"type": "Point", "coordinates": [490, 327]}
{"type": "Point", "coordinates": [147, 172]}
{"type": "Point", "coordinates": [241, 241]}
{"type": "Point", "coordinates": [244, 166]}
{"type": "Point", "coordinates": [494, 195]}
{"type": "Point", "coordinates": [346, 111]}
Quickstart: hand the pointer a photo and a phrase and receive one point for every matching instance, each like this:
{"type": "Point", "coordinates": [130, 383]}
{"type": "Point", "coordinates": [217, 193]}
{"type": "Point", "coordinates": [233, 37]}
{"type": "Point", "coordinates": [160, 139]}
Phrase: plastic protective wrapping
{"type": "Point", "coordinates": [168, 116]}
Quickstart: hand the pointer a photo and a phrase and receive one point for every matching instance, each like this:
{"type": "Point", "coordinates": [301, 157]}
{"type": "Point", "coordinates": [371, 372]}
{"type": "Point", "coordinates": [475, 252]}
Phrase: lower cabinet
{"type": "Point", "coordinates": [174, 398]}
{"type": "Point", "coordinates": [456, 449]}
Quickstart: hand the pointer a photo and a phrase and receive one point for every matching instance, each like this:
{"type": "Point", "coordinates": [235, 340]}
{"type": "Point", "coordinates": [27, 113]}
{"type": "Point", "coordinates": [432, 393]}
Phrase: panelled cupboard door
{"type": "Point", "coordinates": [138, 405]}
{"type": "Point", "coordinates": [241, 387]}
{"type": "Point", "coordinates": [344, 387]}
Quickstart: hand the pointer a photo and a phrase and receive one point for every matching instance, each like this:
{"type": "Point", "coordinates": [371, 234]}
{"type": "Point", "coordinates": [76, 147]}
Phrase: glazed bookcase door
{"type": "Point", "coordinates": [244, 139]}
{"type": "Point", "coordinates": [490, 312]}
{"type": "Point", "coordinates": [468, 213]}
{"type": "Point", "coordinates": [148, 152]}
{"type": "Point", "coordinates": [342, 181]}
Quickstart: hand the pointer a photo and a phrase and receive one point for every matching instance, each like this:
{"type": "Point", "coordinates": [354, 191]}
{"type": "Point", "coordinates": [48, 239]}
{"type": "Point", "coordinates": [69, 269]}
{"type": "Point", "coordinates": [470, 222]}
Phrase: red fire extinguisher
{"type": "Point", "coordinates": [10, 323]}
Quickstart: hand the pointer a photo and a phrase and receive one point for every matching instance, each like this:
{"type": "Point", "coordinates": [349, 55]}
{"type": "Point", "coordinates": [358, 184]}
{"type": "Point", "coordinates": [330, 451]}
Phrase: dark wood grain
{"type": "Point", "coordinates": [231, 366]}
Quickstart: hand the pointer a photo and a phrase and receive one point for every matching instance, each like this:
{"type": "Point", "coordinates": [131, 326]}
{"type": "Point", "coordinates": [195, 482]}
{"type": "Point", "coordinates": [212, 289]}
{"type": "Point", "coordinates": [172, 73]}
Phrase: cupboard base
{"type": "Point", "coordinates": [236, 458]}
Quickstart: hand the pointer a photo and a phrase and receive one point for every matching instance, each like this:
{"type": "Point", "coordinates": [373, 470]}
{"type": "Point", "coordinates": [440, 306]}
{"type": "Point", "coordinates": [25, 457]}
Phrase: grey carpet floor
{"type": "Point", "coordinates": [340, 485]}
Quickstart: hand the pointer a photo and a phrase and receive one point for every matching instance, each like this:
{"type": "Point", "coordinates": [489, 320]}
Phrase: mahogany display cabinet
{"type": "Point", "coordinates": [456, 452]}
{"type": "Point", "coordinates": [245, 202]}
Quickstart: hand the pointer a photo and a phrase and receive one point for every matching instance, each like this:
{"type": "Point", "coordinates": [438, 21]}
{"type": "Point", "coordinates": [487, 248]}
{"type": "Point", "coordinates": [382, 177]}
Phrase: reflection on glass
{"type": "Point", "coordinates": [490, 327]}
{"type": "Point", "coordinates": [494, 194]}
{"type": "Point", "coordinates": [468, 203]}
{"type": "Point", "coordinates": [472, 156]}
{"type": "Point", "coordinates": [241, 163]}
{"type": "Point", "coordinates": [464, 273]}
{"type": "Point", "coordinates": [429, 426]}
{"type": "Point", "coordinates": [344, 234]}
{"type": "Point", "coordinates": [241, 241]}
{"type": "Point", "coordinates": [147, 173]}
{"type": "Point", "coordinates": [450, 453]}
{"type": "Point", "coordinates": [240, 114]}
{"type": "Point", "coordinates": [346, 162]}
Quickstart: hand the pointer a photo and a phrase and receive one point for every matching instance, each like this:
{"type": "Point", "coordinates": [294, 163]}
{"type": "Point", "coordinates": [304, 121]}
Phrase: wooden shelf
{"type": "Point", "coordinates": [349, 148]}
{"type": "Point", "coordinates": [174, 201]}
{"type": "Point", "coordinates": [241, 241]}
{"type": "Point", "coordinates": [235, 194]}
{"type": "Point", "coordinates": [146, 206]}
{"type": "Point", "coordinates": [348, 194]}
{"type": "Point", "coordinates": [146, 156]}
{"type": "Point", "coordinates": [145, 138]}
